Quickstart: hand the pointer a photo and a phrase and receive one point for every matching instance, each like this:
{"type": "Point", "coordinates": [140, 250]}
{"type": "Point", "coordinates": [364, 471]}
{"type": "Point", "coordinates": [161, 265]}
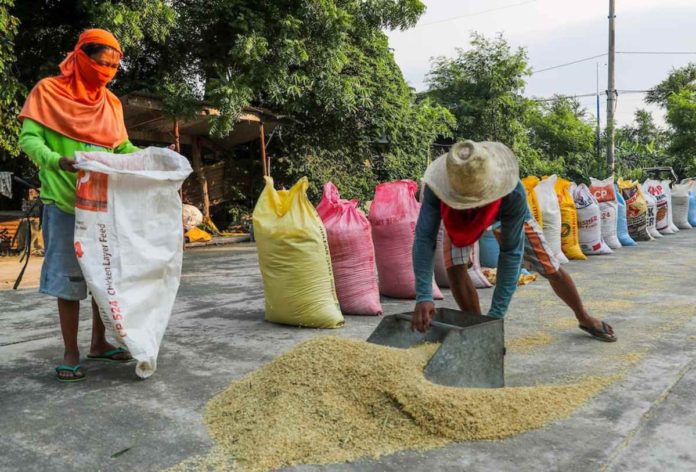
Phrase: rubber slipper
{"type": "Point", "coordinates": [601, 334]}
{"type": "Point", "coordinates": [73, 369]}
{"type": "Point", "coordinates": [109, 356]}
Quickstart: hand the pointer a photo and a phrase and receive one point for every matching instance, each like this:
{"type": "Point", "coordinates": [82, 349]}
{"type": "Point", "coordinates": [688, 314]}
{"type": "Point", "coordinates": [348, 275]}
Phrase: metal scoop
{"type": "Point", "coordinates": [471, 352]}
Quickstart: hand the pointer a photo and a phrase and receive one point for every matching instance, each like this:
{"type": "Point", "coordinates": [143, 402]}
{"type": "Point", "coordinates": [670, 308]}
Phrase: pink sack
{"type": "Point", "coordinates": [393, 215]}
{"type": "Point", "coordinates": [352, 253]}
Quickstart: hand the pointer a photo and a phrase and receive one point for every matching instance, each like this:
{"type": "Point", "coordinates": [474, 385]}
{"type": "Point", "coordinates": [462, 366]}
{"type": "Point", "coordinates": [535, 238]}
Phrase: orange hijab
{"type": "Point", "coordinates": [76, 103]}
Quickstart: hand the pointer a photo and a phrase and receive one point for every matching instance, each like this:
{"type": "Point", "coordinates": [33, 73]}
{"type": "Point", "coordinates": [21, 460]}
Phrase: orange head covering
{"type": "Point", "coordinates": [77, 103]}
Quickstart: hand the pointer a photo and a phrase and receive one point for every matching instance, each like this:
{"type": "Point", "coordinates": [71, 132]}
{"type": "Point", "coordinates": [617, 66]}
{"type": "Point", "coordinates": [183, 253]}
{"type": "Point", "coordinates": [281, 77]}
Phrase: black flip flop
{"type": "Point", "coordinates": [601, 334]}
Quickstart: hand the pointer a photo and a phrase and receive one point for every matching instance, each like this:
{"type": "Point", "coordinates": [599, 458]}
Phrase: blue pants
{"type": "Point", "coordinates": [61, 275]}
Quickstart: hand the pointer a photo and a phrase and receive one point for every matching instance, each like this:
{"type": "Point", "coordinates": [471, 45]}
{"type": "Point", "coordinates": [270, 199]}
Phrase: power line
{"type": "Point", "coordinates": [556, 97]}
{"type": "Point", "coordinates": [570, 63]}
{"type": "Point", "coordinates": [483, 12]}
{"type": "Point", "coordinates": [585, 59]}
{"type": "Point", "coordinates": [658, 53]}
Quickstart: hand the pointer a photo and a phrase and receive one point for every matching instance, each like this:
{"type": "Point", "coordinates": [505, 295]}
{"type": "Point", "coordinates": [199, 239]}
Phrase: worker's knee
{"type": "Point", "coordinates": [458, 274]}
{"type": "Point", "coordinates": [554, 276]}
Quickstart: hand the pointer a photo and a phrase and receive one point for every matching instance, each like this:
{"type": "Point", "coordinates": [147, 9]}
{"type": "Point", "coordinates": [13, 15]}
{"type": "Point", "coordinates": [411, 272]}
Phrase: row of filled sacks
{"type": "Point", "coordinates": [578, 220]}
{"type": "Point", "coordinates": [654, 209]}
{"type": "Point", "coordinates": [319, 264]}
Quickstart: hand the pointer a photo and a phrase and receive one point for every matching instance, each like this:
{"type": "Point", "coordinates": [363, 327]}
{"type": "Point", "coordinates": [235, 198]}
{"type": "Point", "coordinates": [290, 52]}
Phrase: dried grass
{"type": "Point", "coordinates": [332, 400]}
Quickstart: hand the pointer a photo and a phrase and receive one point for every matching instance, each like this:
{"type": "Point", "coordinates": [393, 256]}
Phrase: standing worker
{"type": "Point", "coordinates": [474, 186]}
{"type": "Point", "coordinates": [71, 112]}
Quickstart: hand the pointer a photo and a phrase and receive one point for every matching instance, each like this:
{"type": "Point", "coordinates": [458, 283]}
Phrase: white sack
{"type": "Point", "coordinates": [670, 208]}
{"type": "Point", "coordinates": [657, 190]}
{"type": "Point", "coordinates": [129, 241]}
{"type": "Point", "coordinates": [680, 206]}
{"type": "Point", "coordinates": [589, 224]}
{"type": "Point", "coordinates": [652, 212]}
{"type": "Point", "coordinates": [192, 217]}
{"type": "Point", "coordinates": [551, 215]}
{"type": "Point", "coordinates": [604, 193]}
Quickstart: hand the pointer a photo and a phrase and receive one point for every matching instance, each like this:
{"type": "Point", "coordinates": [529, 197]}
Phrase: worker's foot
{"type": "Point", "coordinates": [69, 370]}
{"type": "Point", "coordinates": [108, 352]}
{"type": "Point", "coordinates": [597, 329]}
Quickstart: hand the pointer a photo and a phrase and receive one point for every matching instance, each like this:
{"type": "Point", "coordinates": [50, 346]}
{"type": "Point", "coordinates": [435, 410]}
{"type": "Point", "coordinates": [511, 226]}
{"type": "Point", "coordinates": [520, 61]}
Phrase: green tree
{"type": "Point", "coordinates": [681, 116]}
{"type": "Point", "coordinates": [678, 80]}
{"type": "Point", "coordinates": [325, 66]}
{"type": "Point", "coordinates": [561, 131]}
{"type": "Point", "coordinates": [10, 88]}
{"type": "Point", "coordinates": [677, 95]}
{"type": "Point", "coordinates": [483, 88]}
{"type": "Point", "coordinates": [49, 30]}
{"type": "Point", "coordinates": [641, 144]}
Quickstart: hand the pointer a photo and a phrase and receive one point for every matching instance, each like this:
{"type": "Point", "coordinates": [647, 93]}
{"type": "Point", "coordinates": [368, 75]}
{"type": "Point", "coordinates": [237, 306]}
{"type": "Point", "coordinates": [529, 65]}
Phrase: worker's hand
{"type": "Point", "coordinates": [172, 147]}
{"type": "Point", "coordinates": [422, 316]}
{"type": "Point", "coordinates": [67, 164]}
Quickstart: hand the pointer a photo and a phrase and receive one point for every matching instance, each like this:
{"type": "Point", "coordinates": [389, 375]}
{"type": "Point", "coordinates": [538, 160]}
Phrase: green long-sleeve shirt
{"type": "Point", "coordinates": [45, 147]}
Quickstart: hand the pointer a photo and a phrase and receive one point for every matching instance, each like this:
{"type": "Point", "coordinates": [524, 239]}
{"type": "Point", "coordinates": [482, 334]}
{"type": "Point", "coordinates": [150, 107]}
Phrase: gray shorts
{"type": "Point", "coordinates": [61, 275]}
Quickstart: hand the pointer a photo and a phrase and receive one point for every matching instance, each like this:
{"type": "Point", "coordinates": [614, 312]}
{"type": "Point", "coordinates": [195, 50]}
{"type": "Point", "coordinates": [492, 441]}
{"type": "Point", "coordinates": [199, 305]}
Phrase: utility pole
{"type": "Point", "coordinates": [611, 88]}
{"type": "Point", "coordinates": [599, 125]}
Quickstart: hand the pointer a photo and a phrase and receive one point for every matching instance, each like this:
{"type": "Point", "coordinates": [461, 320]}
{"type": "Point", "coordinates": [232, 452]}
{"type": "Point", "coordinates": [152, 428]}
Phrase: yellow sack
{"type": "Point", "coordinates": [294, 258]}
{"type": "Point", "coordinates": [197, 235]}
{"type": "Point", "coordinates": [529, 184]}
{"type": "Point", "coordinates": [570, 236]}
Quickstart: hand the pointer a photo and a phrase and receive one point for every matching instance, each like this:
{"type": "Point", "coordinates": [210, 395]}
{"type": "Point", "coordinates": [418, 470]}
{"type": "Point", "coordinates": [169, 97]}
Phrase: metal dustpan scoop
{"type": "Point", "coordinates": [471, 352]}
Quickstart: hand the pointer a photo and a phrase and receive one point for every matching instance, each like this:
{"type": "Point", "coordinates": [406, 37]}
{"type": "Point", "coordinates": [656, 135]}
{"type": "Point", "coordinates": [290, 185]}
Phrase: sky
{"type": "Point", "coordinates": [556, 32]}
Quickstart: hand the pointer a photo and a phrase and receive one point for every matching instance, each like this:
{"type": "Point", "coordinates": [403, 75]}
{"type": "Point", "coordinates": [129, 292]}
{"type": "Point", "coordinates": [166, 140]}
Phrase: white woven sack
{"type": "Point", "coordinates": [589, 222]}
{"type": "Point", "coordinates": [129, 242]}
{"type": "Point", "coordinates": [551, 214]}
{"type": "Point", "coordinates": [680, 206]}
{"type": "Point", "coordinates": [604, 193]}
{"type": "Point", "coordinates": [670, 208]}
{"type": "Point", "coordinates": [657, 191]}
{"type": "Point", "coordinates": [652, 213]}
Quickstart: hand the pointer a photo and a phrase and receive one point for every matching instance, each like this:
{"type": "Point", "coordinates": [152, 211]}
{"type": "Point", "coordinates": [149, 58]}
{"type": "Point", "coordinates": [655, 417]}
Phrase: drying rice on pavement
{"type": "Point", "coordinates": [332, 400]}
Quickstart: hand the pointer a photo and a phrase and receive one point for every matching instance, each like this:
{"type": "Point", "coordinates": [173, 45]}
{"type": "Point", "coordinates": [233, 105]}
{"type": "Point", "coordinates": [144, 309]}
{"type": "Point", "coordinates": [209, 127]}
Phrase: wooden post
{"type": "Point", "coordinates": [177, 148]}
{"type": "Point", "coordinates": [200, 175]}
{"type": "Point", "coordinates": [264, 161]}
{"type": "Point", "coordinates": [177, 142]}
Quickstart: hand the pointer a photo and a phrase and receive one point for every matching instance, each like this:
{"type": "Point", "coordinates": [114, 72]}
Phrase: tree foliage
{"type": "Point", "coordinates": [681, 116]}
{"type": "Point", "coordinates": [10, 88]}
{"type": "Point", "coordinates": [677, 81]}
{"type": "Point", "coordinates": [641, 144]}
{"type": "Point", "coordinates": [677, 94]}
{"type": "Point", "coordinates": [326, 66]}
{"type": "Point", "coordinates": [562, 133]}
{"type": "Point", "coordinates": [483, 88]}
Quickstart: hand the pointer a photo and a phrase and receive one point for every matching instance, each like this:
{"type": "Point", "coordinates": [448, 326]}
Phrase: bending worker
{"type": "Point", "coordinates": [472, 187]}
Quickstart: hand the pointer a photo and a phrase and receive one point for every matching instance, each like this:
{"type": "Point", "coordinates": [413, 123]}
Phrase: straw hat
{"type": "Point", "coordinates": [472, 174]}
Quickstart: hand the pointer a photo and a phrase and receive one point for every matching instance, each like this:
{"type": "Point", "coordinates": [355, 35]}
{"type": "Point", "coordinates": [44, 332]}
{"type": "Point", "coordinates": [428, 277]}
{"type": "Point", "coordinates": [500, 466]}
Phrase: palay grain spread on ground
{"type": "Point", "coordinates": [332, 399]}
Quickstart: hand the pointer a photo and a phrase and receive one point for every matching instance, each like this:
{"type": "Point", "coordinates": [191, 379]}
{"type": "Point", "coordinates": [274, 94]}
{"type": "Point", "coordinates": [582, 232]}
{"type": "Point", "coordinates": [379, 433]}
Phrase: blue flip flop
{"type": "Point", "coordinates": [70, 368]}
{"type": "Point", "coordinates": [108, 356]}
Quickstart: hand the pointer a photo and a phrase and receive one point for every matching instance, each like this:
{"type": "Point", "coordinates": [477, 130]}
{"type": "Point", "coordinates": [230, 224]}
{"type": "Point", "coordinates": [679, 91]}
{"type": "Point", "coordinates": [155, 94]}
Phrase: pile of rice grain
{"type": "Point", "coordinates": [332, 399]}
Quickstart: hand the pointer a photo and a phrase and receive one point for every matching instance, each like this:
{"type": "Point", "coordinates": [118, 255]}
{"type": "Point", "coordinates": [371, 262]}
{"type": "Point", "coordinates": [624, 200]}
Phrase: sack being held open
{"type": "Point", "coordinates": [129, 243]}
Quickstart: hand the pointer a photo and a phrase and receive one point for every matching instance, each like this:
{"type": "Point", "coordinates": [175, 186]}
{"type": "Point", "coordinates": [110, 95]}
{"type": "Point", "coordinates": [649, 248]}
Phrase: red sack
{"type": "Point", "coordinates": [393, 215]}
{"type": "Point", "coordinates": [352, 253]}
